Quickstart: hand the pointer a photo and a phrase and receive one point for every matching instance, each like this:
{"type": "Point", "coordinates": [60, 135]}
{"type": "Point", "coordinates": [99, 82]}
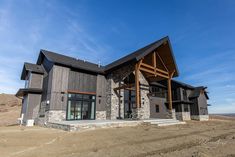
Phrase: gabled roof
{"type": "Point", "coordinates": [69, 61]}
{"type": "Point", "coordinates": [196, 92]}
{"type": "Point", "coordinates": [32, 68]}
{"type": "Point", "coordinates": [135, 56]}
{"type": "Point", "coordinates": [140, 53]}
{"type": "Point", "coordinates": [176, 84]}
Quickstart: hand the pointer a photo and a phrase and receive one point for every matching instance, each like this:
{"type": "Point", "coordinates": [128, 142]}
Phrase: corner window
{"type": "Point", "coordinates": [157, 108]}
{"type": "Point", "coordinates": [186, 108]}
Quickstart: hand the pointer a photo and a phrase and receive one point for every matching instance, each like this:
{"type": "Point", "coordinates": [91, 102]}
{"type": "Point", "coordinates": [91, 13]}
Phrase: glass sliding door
{"type": "Point", "coordinates": [81, 107]}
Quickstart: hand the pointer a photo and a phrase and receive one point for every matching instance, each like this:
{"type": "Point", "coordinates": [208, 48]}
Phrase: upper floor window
{"type": "Point", "coordinates": [27, 80]}
{"type": "Point", "coordinates": [157, 108]}
{"type": "Point", "coordinates": [184, 95]}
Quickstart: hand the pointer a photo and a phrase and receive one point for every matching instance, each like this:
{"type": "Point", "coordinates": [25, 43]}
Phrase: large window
{"type": "Point", "coordinates": [81, 107]}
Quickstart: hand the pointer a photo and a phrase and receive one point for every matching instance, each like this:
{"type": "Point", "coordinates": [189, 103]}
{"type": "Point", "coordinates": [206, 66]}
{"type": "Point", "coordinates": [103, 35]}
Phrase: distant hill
{"type": "Point", "coordinates": [10, 107]}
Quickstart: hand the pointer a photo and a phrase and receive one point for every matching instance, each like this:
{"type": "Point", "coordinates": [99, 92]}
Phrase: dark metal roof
{"type": "Point", "coordinates": [157, 84]}
{"type": "Point", "coordinates": [88, 66]}
{"type": "Point", "coordinates": [183, 84]}
{"type": "Point", "coordinates": [32, 68]}
{"type": "Point", "coordinates": [23, 91]}
{"type": "Point", "coordinates": [69, 61]}
{"type": "Point", "coordinates": [176, 84]}
{"type": "Point", "coordinates": [196, 92]}
{"type": "Point", "coordinates": [140, 53]}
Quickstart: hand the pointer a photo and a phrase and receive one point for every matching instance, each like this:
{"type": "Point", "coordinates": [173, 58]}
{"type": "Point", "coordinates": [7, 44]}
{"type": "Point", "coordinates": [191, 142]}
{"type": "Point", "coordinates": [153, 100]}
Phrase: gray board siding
{"type": "Point", "coordinates": [101, 93]}
{"type": "Point", "coordinates": [82, 82]}
{"type": "Point", "coordinates": [59, 87]}
{"type": "Point", "coordinates": [202, 104]}
{"type": "Point", "coordinates": [36, 80]}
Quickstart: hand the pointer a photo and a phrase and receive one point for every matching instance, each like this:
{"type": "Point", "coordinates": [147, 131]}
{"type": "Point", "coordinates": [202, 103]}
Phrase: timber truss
{"type": "Point", "coordinates": [153, 67]}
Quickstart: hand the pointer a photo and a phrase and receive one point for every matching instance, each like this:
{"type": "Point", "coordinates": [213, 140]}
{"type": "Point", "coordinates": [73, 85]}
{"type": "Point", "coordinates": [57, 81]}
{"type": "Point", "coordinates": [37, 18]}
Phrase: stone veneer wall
{"type": "Point", "coordinates": [183, 116]}
{"type": "Point", "coordinates": [200, 117]}
{"type": "Point", "coordinates": [55, 116]}
{"type": "Point", "coordinates": [100, 115]}
{"type": "Point", "coordinates": [112, 101]}
{"type": "Point", "coordinates": [144, 111]}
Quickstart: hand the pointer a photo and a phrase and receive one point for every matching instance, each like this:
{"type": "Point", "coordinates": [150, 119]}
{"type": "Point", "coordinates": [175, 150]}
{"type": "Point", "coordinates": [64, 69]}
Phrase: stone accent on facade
{"type": "Point", "coordinates": [144, 111]}
{"type": "Point", "coordinates": [200, 117]}
{"type": "Point", "coordinates": [100, 115]}
{"type": "Point", "coordinates": [183, 116]}
{"type": "Point", "coordinates": [113, 97]}
{"type": "Point", "coordinates": [108, 99]}
{"type": "Point", "coordinates": [55, 116]}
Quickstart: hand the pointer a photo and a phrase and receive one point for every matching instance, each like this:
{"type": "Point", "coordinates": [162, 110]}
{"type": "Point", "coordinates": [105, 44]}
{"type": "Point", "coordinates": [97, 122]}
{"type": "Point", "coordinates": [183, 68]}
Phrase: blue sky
{"type": "Point", "coordinates": [202, 34]}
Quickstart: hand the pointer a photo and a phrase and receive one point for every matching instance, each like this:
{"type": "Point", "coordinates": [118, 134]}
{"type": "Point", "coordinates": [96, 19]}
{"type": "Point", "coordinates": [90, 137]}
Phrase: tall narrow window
{"type": "Point", "coordinates": [157, 108]}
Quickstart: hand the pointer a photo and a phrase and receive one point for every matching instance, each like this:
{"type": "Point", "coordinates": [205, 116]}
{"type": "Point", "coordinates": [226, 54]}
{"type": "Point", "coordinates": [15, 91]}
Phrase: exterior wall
{"type": "Point", "coordinates": [101, 115]}
{"type": "Point", "coordinates": [194, 110]}
{"type": "Point", "coordinates": [163, 111]}
{"type": "Point", "coordinates": [55, 116]}
{"type": "Point", "coordinates": [81, 81]}
{"type": "Point", "coordinates": [54, 91]}
{"type": "Point", "coordinates": [24, 107]}
{"type": "Point", "coordinates": [30, 107]}
{"type": "Point", "coordinates": [200, 117]}
{"type": "Point", "coordinates": [101, 97]}
{"type": "Point", "coordinates": [112, 99]}
{"type": "Point", "coordinates": [183, 116]}
{"type": "Point", "coordinates": [144, 111]}
{"type": "Point", "coordinates": [58, 99]}
{"type": "Point", "coordinates": [202, 104]}
{"type": "Point", "coordinates": [59, 87]}
{"type": "Point", "coordinates": [36, 80]}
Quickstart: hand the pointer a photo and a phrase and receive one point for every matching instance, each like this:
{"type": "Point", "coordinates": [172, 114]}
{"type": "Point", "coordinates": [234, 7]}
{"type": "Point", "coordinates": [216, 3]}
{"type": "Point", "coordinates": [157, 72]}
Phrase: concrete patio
{"type": "Point", "coordinates": [94, 124]}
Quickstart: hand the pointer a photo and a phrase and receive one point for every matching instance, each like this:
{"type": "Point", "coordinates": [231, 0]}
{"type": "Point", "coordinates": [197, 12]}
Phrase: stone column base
{"type": "Point", "coordinates": [55, 116]}
{"type": "Point", "coordinates": [200, 117]}
{"type": "Point", "coordinates": [101, 115]}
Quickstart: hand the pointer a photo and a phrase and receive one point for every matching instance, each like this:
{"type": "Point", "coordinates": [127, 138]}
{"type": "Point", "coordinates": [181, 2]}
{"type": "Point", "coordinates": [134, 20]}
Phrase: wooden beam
{"type": "Point", "coordinates": [79, 92]}
{"type": "Point", "coordinates": [137, 86]}
{"type": "Point", "coordinates": [169, 94]}
{"type": "Point", "coordinates": [147, 70]}
{"type": "Point", "coordinates": [146, 65]}
{"type": "Point", "coordinates": [169, 90]}
{"type": "Point", "coordinates": [162, 62]}
{"type": "Point", "coordinates": [162, 71]}
{"type": "Point", "coordinates": [154, 62]}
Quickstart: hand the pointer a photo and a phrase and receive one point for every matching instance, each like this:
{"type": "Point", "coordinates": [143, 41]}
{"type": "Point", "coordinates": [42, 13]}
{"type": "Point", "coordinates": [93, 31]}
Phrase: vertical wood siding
{"type": "Point", "coordinates": [59, 87]}
{"type": "Point", "coordinates": [82, 82]}
{"type": "Point", "coordinates": [101, 93]}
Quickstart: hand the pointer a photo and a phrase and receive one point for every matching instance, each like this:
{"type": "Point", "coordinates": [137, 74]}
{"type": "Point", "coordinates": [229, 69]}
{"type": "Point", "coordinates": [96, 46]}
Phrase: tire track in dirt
{"type": "Point", "coordinates": [182, 146]}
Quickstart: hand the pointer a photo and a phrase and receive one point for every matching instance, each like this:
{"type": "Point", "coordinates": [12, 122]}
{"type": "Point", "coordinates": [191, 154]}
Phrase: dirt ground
{"type": "Point", "coordinates": [194, 139]}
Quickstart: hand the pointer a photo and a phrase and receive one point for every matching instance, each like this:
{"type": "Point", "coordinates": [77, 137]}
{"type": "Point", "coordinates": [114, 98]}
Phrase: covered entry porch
{"type": "Point", "coordinates": [151, 64]}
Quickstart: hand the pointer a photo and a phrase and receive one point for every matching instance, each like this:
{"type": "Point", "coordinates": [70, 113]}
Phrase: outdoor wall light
{"type": "Point", "coordinates": [48, 102]}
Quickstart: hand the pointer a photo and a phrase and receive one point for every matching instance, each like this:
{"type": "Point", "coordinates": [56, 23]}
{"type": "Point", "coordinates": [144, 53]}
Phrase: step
{"type": "Point", "coordinates": [168, 124]}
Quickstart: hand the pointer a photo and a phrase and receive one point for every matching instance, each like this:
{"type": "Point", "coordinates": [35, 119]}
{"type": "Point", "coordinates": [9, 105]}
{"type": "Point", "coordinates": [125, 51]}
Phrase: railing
{"type": "Point", "coordinates": [158, 94]}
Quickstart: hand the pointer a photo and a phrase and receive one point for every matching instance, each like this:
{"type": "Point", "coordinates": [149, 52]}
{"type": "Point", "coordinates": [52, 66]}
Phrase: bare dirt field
{"type": "Point", "coordinates": [10, 107]}
{"type": "Point", "coordinates": [194, 139]}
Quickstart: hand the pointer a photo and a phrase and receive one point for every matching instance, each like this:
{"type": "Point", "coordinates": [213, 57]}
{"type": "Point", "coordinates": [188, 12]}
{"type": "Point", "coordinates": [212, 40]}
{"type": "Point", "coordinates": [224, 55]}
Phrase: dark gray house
{"type": "Point", "coordinates": [137, 86]}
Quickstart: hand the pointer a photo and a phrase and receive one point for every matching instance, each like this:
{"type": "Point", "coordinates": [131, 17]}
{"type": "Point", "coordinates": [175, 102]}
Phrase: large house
{"type": "Point", "coordinates": [137, 86]}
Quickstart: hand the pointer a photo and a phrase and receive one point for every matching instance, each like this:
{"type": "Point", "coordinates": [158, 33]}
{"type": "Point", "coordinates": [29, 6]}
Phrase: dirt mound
{"type": "Point", "coordinates": [9, 100]}
{"type": "Point", "coordinates": [10, 107]}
